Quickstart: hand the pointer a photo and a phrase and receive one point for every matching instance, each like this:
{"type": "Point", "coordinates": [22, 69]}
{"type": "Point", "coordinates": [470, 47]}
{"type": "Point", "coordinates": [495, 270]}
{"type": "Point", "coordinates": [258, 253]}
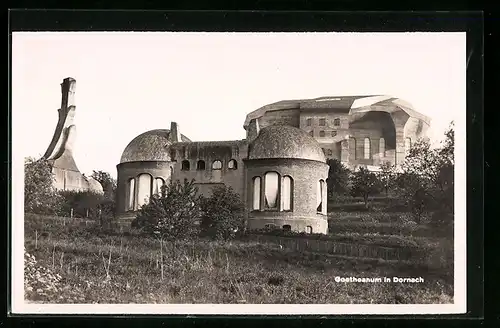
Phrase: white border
{"type": "Point", "coordinates": [19, 306]}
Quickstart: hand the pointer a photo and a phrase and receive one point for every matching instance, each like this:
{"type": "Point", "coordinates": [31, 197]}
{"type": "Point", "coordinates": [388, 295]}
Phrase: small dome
{"type": "Point", "coordinates": [284, 141]}
{"type": "Point", "coordinates": [95, 185]}
{"type": "Point", "coordinates": [149, 146]}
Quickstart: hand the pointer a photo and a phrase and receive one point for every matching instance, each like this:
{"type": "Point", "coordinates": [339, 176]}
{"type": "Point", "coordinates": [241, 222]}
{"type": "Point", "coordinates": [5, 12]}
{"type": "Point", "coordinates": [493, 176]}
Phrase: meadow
{"type": "Point", "coordinates": [76, 261]}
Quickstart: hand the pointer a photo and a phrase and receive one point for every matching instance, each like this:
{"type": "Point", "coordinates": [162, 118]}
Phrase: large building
{"type": "Point", "coordinates": [280, 168]}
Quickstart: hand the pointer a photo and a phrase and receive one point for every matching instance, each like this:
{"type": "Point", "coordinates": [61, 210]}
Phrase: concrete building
{"type": "Point", "coordinates": [60, 151]}
{"type": "Point", "coordinates": [280, 168]}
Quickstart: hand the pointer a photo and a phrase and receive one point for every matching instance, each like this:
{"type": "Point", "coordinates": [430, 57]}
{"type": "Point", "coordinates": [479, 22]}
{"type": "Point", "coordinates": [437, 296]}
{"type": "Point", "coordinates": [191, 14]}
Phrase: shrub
{"type": "Point", "coordinates": [39, 194]}
{"type": "Point", "coordinates": [364, 184]}
{"type": "Point", "coordinates": [223, 213]}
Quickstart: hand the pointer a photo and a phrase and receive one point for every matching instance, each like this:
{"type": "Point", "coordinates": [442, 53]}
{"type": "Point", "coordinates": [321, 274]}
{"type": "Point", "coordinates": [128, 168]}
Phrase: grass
{"type": "Point", "coordinates": [71, 261]}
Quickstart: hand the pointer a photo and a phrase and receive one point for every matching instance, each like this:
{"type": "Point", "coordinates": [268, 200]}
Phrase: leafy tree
{"type": "Point", "coordinates": [387, 176]}
{"type": "Point", "coordinates": [107, 181]}
{"type": "Point", "coordinates": [173, 214]}
{"type": "Point", "coordinates": [39, 194]}
{"type": "Point", "coordinates": [364, 183]}
{"type": "Point", "coordinates": [88, 204]}
{"type": "Point", "coordinates": [223, 213]}
{"type": "Point", "coordinates": [338, 178]}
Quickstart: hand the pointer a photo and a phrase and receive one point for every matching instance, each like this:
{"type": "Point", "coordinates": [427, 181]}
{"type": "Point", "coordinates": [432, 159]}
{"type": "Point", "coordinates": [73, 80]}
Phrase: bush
{"type": "Point", "coordinates": [223, 213]}
{"type": "Point", "coordinates": [39, 194]}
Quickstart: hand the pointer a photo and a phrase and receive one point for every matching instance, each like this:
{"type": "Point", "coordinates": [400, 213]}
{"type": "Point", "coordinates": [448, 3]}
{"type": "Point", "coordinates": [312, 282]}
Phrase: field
{"type": "Point", "coordinates": [74, 261]}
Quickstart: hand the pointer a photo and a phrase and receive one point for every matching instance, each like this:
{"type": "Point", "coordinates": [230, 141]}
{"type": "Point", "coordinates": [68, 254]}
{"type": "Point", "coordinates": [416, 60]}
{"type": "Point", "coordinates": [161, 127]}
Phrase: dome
{"type": "Point", "coordinates": [149, 146]}
{"type": "Point", "coordinates": [284, 141]}
{"type": "Point", "coordinates": [95, 185]}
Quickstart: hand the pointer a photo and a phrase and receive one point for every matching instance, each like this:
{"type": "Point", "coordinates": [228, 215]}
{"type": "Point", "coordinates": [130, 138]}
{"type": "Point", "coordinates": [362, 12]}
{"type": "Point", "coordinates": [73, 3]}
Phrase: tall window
{"type": "Point", "coordinates": [217, 165]}
{"type": "Point", "coordinates": [271, 190]}
{"type": "Point", "coordinates": [321, 133]}
{"type": "Point", "coordinates": [185, 165]}
{"type": "Point", "coordinates": [256, 193]}
{"type": "Point", "coordinates": [381, 147]}
{"type": "Point", "coordinates": [319, 196]}
{"type": "Point", "coordinates": [367, 148]}
{"type": "Point", "coordinates": [336, 122]}
{"type": "Point", "coordinates": [144, 189]}
{"type": "Point", "coordinates": [309, 229]}
{"type": "Point", "coordinates": [131, 194]}
{"type": "Point", "coordinates": [159, 182]}
{"type": "Point", "coordinates": [322, 122]}
{"type": "Point", "coordinates": [309, 122]}
{"type": "Point", "coordinates": [232, 164]}
{"type": "Point", "coordinates": [200, 165]}
{"type": "Point", "coordinates": [407, 146]}
{"type": "Point", "coordinates": [287, 193]}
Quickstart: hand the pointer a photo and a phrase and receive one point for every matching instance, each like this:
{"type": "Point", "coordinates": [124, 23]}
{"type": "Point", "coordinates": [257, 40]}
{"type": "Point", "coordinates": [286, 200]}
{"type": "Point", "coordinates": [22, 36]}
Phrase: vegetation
{"type": "Point", "coordinates": [39, 194]}
{"type": "Point", "coordinates": [364, 184]}
{"type": "Point", "coordinates": [338, 178]}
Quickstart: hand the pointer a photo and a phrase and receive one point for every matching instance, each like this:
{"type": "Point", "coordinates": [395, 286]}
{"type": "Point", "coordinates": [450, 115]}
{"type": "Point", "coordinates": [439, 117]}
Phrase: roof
{"type": "Point", "coordinates": [350, 104]}
{"type": "Point", "coordinates": [284, 141]}
{"type": "Point", "coordinates": [149, 146]}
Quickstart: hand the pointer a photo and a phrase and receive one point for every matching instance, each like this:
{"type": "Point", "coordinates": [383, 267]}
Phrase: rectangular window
{"type": "Point", "coordinates": [336, 122]}
{"type": "Point", "coordinates": [256, 193]}
{"type": "Point", "coordinates": [367, 148]}
{"type": "Point", "coordinates": [309, 122]}
{"type": "Point", "coordinates": [322, 122]}
{"type": "Point", "coordinates": [321, 133]}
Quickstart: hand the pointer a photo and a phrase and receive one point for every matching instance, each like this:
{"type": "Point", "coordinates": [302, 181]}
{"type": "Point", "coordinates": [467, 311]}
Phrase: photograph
{"type": "Point", "coordinates": [238, 173]}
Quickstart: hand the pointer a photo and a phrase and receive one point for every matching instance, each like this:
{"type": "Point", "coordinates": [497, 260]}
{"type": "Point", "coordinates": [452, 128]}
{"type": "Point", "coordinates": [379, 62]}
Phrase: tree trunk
{"type": "Point", "coordinates": [365, 197]}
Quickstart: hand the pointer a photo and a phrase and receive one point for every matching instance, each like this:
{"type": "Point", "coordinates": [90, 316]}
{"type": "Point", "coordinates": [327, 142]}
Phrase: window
{"type": "Point", "coordinates": [329, 152]}
{"type": "Point", "coordinates": [322, 122]}
{"type": "Point", "coordinates": [336, 122]}
{"type": "Point", "coordinates": [309, 122]}
{"type": "Point", "coordinates": [311, 133]}
{"type": "Point", "coordinates": [319, 196]}
{"type": "Point", "coordinates": [185, 165]}
{"type": "Point", "coordinates": [321, 133]}
{"type": "Point", "coordinates": [159, 182]}
{"type": "Point", "coordinates": [200, 165]}
{"type": "Point", "coordinates": [144, 189]}
{"type": "Point", "coordinates": [271, 190]}
{"type": "Point", "coordinates": [287, 227]}
{"type": "Point", "coordinates": [131, 194]}
{"type": "Point", "coordinates": [232, 164]}
{"type": "Point", "coordinates": [256, 193]}
{"type": "Point", "coordinates": [309, 229]}
{"type": "Point", "coordinates": [334, 133]}
{"type": "Point", "coordinates": [381, 147]}
{"type": "Point", "coordinates": [287, 193]}
{"type": "Point", "coordinates": [407, 146]}
{"type": "Point", "coordinates": [216, 165]}
{"type": "Point", "coordinates": [270, 226]}
{"type": "Point", "coordinates": [367, 148]}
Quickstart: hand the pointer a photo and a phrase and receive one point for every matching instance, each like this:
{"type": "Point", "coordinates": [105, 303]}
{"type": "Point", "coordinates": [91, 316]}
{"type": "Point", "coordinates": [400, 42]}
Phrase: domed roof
{"type": "Point", "coordinates": [94, 185]}
{"type": "Point", "coordinates": [149, 146]}
{"type": "Point", "coordinates": [284, 141]}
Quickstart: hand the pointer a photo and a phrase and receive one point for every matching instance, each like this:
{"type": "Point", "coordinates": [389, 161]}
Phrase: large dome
{"type": "Point", "coordinates": [284, 141]}
{"type": "Point", "coordinates": [149, 146]}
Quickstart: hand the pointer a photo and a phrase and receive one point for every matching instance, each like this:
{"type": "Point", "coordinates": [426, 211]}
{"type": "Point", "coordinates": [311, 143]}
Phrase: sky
{"type": "Point", "coordinates": [131, 82]}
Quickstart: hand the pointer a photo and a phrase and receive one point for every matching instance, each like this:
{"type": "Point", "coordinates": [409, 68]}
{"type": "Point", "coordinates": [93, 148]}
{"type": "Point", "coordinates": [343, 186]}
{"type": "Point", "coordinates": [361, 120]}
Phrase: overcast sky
{"type": "Point", "coordinates": [129, 83]}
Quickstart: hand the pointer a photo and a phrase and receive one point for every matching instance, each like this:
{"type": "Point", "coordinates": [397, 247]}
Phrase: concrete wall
{"type": "Point", "coordinates": [305, 175]}
{"type": "Point", "coordinates": [283, 116]}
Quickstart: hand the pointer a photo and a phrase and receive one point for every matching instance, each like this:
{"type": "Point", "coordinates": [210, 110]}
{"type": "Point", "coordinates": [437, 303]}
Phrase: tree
{"type": "Point", "coordinates": [387, 176]}
{"type": "Point", "coordinates": [338, 178]}
{"type": "Point", "coordinates": [223, 213]}
{"type": "Point", "coordinates": [40, 195]}
{"type": "Point", "coordinates": [364, 183]}
{"type": "Point", "coordinates": [173, 214]}
{"type": "Point", "coordinates": [107, 181]}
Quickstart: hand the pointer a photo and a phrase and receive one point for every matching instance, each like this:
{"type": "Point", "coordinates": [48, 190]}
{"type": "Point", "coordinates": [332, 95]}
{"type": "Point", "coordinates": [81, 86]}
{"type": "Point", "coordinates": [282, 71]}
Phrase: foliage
{"type": "Point", "coordinates": [173, 214]}
{"type": "Point", "coordinates": [387, 176]}
{"type": "Point", "coordinates": [223, 213]}
{"type": "Point", "coordinates": [87, 204]}
{"type": "Point", "coordinates": [107, 181]}
{"type": "Point", "coordinates": [427, 181]}
{"type": "Point", "coordinates": [364, 183]}
{"type": "Point", "coordinates": [338, 178]}
{"type": "Point", "coordinates": [39, 194]}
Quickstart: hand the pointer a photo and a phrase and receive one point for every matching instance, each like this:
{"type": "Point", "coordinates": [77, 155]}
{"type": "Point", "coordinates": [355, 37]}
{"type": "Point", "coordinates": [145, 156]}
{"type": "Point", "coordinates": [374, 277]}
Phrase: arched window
{"type": "Point", "coordinates": [309, 229]}
{"type": "Point", "coordinates": [216, 165]}
{"type": "Point", "coordinates": [367, 148]}
{"type": "Point", "coordinates": [286, 193]}
{"type": "Point", "coordinates": [407, 146]}
{"type": "Point", "coordinates": [159, 182]}
{"type": "Point", "coordinates": [256, 193]}
{"type": "Point", "coordinates": [144, 189]}
{"type": "Point", "coordinates": [381, 147]}
{"type": "Point", "coordinates": [319, 196]}
{"type": "Point", "coordinates": [232, 164]}
{"type": "Point", "coordinates": [271, 190]}
{"type": "Point", "coordinates": [200, 165]}
{"type": "Point", "coordinates": [131, 194]}
{"type": "Point", "coordinates": [185, 165]}
{"type": "Point", "coordinates": [336, 122]}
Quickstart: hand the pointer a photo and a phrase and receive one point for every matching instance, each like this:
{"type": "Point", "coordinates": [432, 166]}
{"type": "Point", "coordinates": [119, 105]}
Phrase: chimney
{"type": "Point", "coordinates": [175, 134]}
{"type": "Point", "coordinates": [68, 88]}
{"type": "Point", "coordinates": [253, 130]}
